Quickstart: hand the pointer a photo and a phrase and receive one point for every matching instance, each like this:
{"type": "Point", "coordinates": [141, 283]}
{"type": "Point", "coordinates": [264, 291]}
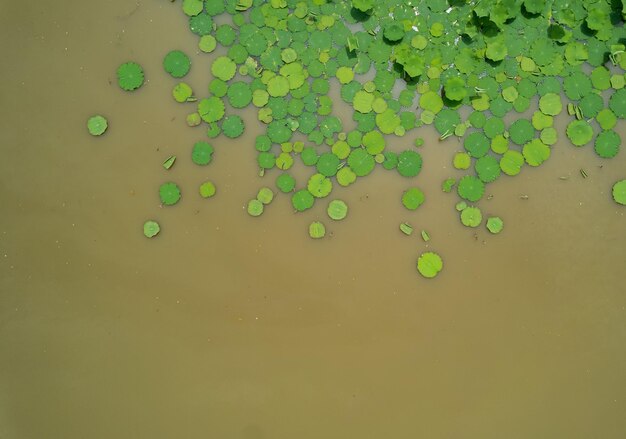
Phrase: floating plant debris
{"type": "Point", "coordinates": [516, 65]}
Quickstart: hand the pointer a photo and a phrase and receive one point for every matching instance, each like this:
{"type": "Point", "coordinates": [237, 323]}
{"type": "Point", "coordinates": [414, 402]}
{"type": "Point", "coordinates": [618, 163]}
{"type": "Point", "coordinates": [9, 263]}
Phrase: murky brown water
{"type": "Point", "coordinates": [227, 326]}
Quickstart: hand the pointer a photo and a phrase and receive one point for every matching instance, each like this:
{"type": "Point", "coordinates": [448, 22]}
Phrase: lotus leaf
{"type": "Point", "coordinates": [233, 126]}
{"type": "Point", "coordinates": [328, 164]}
{"type": "Point", "coordinates": [471, 217]}
{"type": "Point", "coordinates": [319, 185]}
{"type": "Point", "coordinates": [302, 200]}
{"type": "Point", "coordinates": [495, 224]}
{"type": "Point", "coordinates": [476, 144]}
{"type": "Point", "coordinates": [535, 152]}
{"type": "Point", "coordinates": [409, 163]}
{"type": "Point", "coordinates": [97, 125]}
{"type": "Point", "coordinates": [169, 193]}
{"type": "Point", "coordinates": [202, 153]}
{"type": "Point", "coordinates": [619, 192]}
{"type": "Point", "coordinates": [130, 76]}
{"type": "Point", "coordinates": [471, 188]}
{"type": "Point", "coordinates": [176, 63]}
{"type": "Point", "coordinates": [487, 168]}
{"type": "Point", "coordinates": [211, 109]}
{"type": "Point", "coordinates": [607, 144]}
{"type": "Point", "coordinates": [223, 68]}
{"type": "Point", "coordinates": [429, 264]}
{"type": "Point", "coordinates": [317, 230]}
{"type": "Point", "coordinates": [579, 132]}
{"type": "Point", "coordinates": [360, 162]}
{"type": "Point", "coordinates": [285, 182]}
{"type": "Point", "coordinates": [521, 131]}
{"type": "Point", "coordinates": [413, 198]}
{"type": "Point", "coordinates": [239, 94]}
{"type": "Point", "coordinates": [511, 162]}
{"type": "Point", "coordinates": [337, 210]}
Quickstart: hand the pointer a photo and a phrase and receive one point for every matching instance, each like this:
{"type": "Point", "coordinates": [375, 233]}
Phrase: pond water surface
{"type": "Point", "coordinates": [228, 326]}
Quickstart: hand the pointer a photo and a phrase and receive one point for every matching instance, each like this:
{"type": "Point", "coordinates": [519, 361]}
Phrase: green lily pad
{"type": "Point", "coordinates": [413, 198]}
{"type": "Point", "coordinates": [607, 144]}
{"type": "Point", "coordinates": [285, 183]}
{"type": "Point", "coordinates": [97, 125]}
{"type": "Point", "coordinates": [535, 152]}
{"type": "Point", "coordinates": [550, 104]}
{"type": "Point", "coordinates": [255, 207]}
{"type": "Point", "coordinates": [487, 168]}
{"type": "Point", "coordinates": [319, 185]}
{"type": "Point", "coordinates": [223, 68]}
{"type": "Point", "coordinates": [495, 224]}
{"type": "Point", "coordinates": [207, 189]}
{"type": "Point", "coordinates": [302, 200]}
{"type": "Point", "coordinates": [176, 63]}
{"type": "Point", "coordinates": [409, 163]}
{"type": "Point", "coordinates": [361, 162]}
{"type": "Point", "coordinates": [169, 194]}
{"type": "Point", "coordinates": [202, 153]}
{"type": "Point", "coordinates": [233, 126]}
{"type": "Point", "coordinates": [211, 109]}
{"type": "Point", "coordinates": [265, 195]}
{"type": "Point", "coordinates": [317, 230]}
{"type": "Point", "coordinates": [429, 264]}
{"type": "Point", "coordinates": [619, 192]}
{"type": "Point", "coordinates": [337, 210]}
{"type": "Point", "coordinates": [130, 76]}
{"type": "Point", "coordinates": [511, 162]}
{"type": "Point", "coordinates": [471, 217]}
{"type": "Point", "coordinates": [151, 229]}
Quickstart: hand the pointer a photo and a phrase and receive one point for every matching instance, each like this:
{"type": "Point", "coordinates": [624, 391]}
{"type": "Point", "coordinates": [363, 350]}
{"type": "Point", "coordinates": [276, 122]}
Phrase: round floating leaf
{"type": "Point", "coordinates": [431, 101]}
{"type": "Point", "coordinates": [255, 207]}
{"type": "Point", "coordinates": [319, 185]}
{"type": "Point", "coordinates": [487, 168]}
{"type": "Point", "coordinates": [471, 188]}
{"type": "Point", "coordinates": [211, 109]}
{"type": "Point", "coordinates": [337, 210]}
{"type": "Point", "coordinates": [476, 144]}
{"type": "Point", "coordinates": [361, 162]}
{"type": "Point", "coordinates": [151, 229]}
{"type": "Point", "coordinates": [278, 86]}
{"type": "Point", "coordinates": [207, 189]}
{"type": "Point", "coordinates": [130, 76]}
{"type": "Point", "coordinates": [471, 217]}
{"type": "Point", "coordinates": [202, 153]}
{"type": "Point", "coordinates": [169, 193]}
{"type": "Point", "coordinates": [192, 7]}
{"type": "Point", "coordinates": [619, 192]}
{"type": "Point", "coordinates": [511, 162]}
{"type": "Point", "coordinates": [521, 131]}
{"type": "Point", "coordinates": [607, 144]}
{"type": "Point", "coordinates": [328, 164]}
{"type": "Point", "coordinates": [536, 152]}
{"type": "Point", "coordinates": [495, 224]}
{"type": "Point", "coordinates": [577, 85]}
{"type": "Point", "coordinates": [550, 104]}
{"type": "Point", "coordinates": [265, 195]}
{"type": "Point", "coordinates": [346, 176]}
{"type": "Point", "coordinates": [285, 182]}
{"type": "Point", "coordinates": [462, 160]}
{"type": "Point", "coordinates": [97, 125]}
{"type": "Point", "coordinates": [617, 103]}
{"type": "Point", "coordinates": [317, 230]}
{"type": "Point", "coordinates": [579, 132]}
{"type": "Point", "coordinates": [374, 142]}
{"type": "Point", "coordinates": [302, 200]}
{"type": "Point", "coordinates": [409, 163]}
{"type": "Point", "coordinates": [413, 198]}
{"type": "Point", "coordinates": [455, 88]}
{"type": "Point", "coordinates": [429, 264]}
{"type": "Point", "coordinates": [239, 94]}
{"type": "Point", "coordinates": [223, 68]}
{"type": "Point", "coordinates": [176, 63]}
{"type": "Point", "coordinates": [606, 119]}
{"type": "Point", "coordinates": [233, 126]}
{"type": "Point", "coordinates": [182, 92]}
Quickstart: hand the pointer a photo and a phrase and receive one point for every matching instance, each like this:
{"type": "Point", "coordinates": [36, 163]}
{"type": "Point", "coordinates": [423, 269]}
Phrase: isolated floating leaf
{"type": "Point", "coordinates": [207, 189]}
{"type": "Point", "coordinates": [182, 92]}
{"type": "Point", "coordinates": [317, 230]}
{"type": "Point", "coordinates": [471, 188]}
{"type": "Point", "coordinates": [97, 125]}
{"type": "Point", "coordinates": [176, 63]}
{"type": "Point", "coordinates": [151, 229]}
{"type": "Point", "coordinates": [255, 207]}
{"type": "Point", "coordinates": [471, 217]}
{"type": "Point", "coordinates": [607, 144]}
{"type": "Point", "coordinates": [285, 183]}
{"type": "Point", "coordinates": [337, 210]}
{"type": "Point", "coordinates": [495, 224]}
{"type": "Point", "coordinates": [319, 185]}
{"type": "Point", "coordinates": [413, 198]}
{"type": "Point", "coordinates": [409, 163]}
{"type": "Point", "coordinates": [130, 76]}
{"type": "Point", "coordinates": [429, 264]}
{"type": "Point", "coordinates": [223, 68]}
{"type": "Point", "coordinates": [169, 193]}
{"type": "Point", "coordinates": [619, 192]}
{"type": "Point", "coordinates": [202, 153]}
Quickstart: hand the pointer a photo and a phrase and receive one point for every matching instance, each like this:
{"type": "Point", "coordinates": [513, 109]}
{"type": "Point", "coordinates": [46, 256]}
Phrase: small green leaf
{"type": "Point", "coordinates": [207, 189]}
{"type": "Point", "coordinates": [177, 63]}
{"type": "Point", "coordinates": [97, 125]}
{"type": "Point", "coordinates": [169, 193]}
{"type": "Point", "coordinates": [317, 230]}
{"type": "Point", "coordinates": [130, 76]}
{"type": "Point", "coordinates": [406, 228]}
{"type": "Point", "coordinates": [413, 198]}
{"type": "Point", "coordinates": [169, 162]}
{"type": "Point", "coordinates": [265, 195]}
{"type": "Point", "coordinates": [202, 153]}
{"type": "Point", "coordinates": [471, 217]}
{"type": "Point", "coordinates": [495, 224]}
{"type": "Point", "coordinates": [337, 210]}
{"type": "Point", "coordinates": [255, 207]}
{"type": "Point", "coordinates": [619, 192]}
{"type": "Point", "coordinates": [151, 229]}
{"type": "Point", "coordinates": [429, 264]}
